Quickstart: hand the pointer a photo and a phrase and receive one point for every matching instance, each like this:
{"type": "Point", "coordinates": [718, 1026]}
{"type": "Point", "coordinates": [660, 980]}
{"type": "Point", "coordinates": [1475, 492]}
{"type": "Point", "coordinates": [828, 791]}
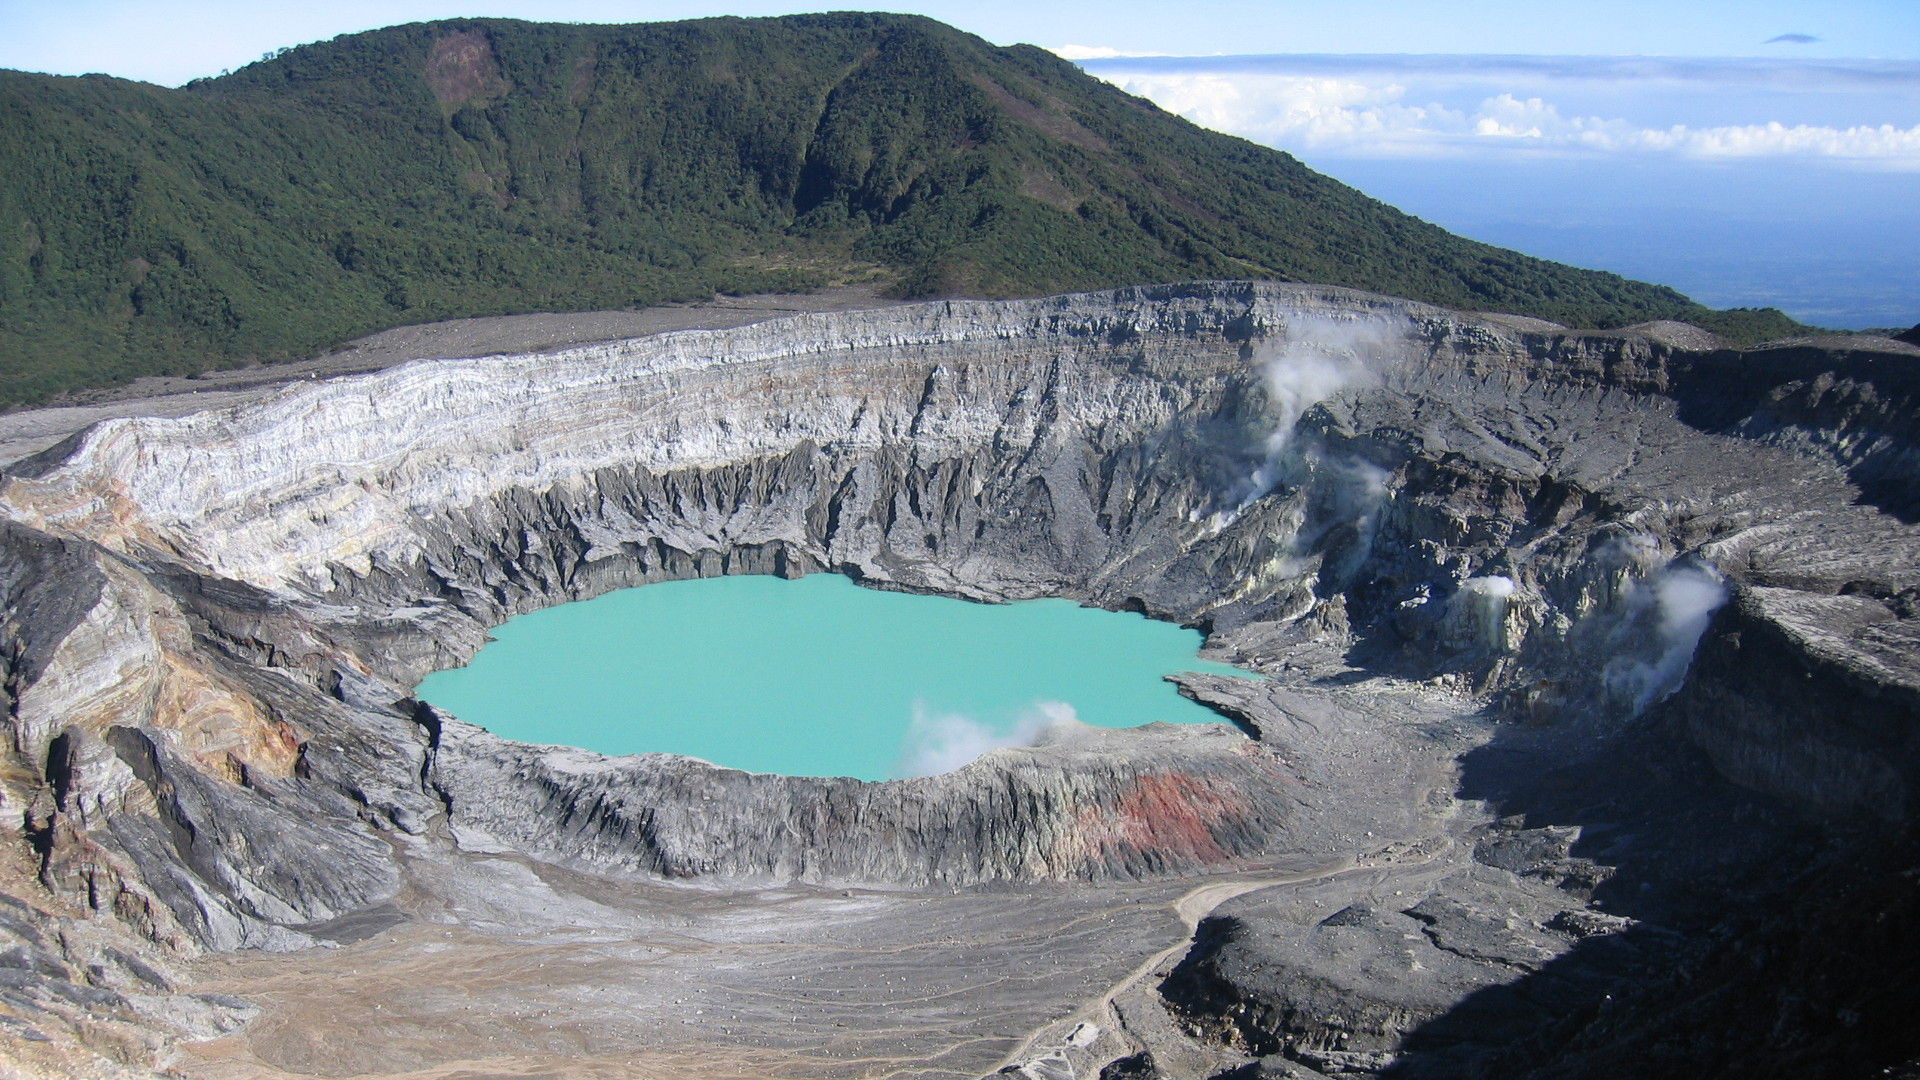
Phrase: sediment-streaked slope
{"type": "Point", "coordinates": [214, 621]}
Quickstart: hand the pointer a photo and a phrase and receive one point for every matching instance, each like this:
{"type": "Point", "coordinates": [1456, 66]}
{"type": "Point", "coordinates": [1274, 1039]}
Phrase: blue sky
{"type": "Point", "coordinates": [1758, 152]}
{"type": "Point", "coordinates": [170, 41]}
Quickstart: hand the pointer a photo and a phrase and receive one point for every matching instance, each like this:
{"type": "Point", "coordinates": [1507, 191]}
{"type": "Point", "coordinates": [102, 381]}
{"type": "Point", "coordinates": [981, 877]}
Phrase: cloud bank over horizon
{"type": "Point", "coordinates": [1742, 181]}
{"type": "Point", "coordinates": [1858, 114]}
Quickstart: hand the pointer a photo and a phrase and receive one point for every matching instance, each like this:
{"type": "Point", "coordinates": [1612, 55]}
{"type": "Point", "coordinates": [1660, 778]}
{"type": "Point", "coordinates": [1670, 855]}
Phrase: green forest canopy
{"type": "Point", "coordinates": [487, 166]}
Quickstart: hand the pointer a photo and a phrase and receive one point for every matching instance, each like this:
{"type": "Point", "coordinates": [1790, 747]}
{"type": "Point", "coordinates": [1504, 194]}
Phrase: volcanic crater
{"type": "Point", "coordinates": [1588, 718]}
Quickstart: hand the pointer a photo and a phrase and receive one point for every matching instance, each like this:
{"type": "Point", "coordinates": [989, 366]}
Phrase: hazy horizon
{"type": "Point", "coordinates": [1743, 182]}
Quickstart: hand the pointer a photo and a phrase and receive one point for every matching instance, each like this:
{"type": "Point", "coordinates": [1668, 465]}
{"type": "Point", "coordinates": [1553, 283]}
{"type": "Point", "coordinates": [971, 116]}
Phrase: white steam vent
{"type": "Point", "coordinates": [1319, 357]}
{"type": "Point", "coordinates": [1676, 605]}
{"type": "Point", "coordinates": [942, 742]}
{"type": "Point", "coordinates": [1483, 603]}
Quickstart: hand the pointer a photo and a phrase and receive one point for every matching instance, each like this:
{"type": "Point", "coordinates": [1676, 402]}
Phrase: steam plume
{"type": "Point", "coordinates": [1320, 357]}
{"type": "Point", "coordinates": [1679, 603]}
{"type": "Point", "coordinates": [1482, 604]}
{"type": "Point", "coordinates": [942, 742]}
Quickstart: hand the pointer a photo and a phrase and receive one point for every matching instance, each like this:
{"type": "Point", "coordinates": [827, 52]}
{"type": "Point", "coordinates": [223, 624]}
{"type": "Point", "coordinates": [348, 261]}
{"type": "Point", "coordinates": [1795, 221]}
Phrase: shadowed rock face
{"type": "Point", "coordinates": [214, 622]}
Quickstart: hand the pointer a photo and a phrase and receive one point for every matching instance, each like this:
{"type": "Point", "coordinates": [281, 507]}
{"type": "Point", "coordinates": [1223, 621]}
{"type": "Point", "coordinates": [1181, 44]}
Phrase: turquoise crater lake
{"type": "Point", "coordinates": [816, 677]}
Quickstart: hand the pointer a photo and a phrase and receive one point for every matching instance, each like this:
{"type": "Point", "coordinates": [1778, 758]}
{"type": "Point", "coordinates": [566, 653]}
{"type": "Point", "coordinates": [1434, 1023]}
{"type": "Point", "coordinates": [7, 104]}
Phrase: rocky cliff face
{"type": "Point", "coordinates": [214, 622]}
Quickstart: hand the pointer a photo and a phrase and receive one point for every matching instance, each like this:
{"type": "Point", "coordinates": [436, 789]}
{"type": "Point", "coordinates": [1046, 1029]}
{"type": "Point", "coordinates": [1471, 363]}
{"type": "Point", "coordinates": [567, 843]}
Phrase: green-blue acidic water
{"type": "Point", "coordinates": [815, 677]}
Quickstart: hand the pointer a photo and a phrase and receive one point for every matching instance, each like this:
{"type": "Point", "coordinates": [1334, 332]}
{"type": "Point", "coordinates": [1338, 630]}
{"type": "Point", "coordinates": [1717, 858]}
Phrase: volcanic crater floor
{"type": "Point", "coordinates": [490, 964]}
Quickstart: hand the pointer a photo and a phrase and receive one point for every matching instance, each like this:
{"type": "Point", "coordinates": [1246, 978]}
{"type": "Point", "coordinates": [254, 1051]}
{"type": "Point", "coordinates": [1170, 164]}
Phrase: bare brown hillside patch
{"type": "Point", "coordinates": [581, 87]}
{"type": "Point", "coordinates": [1053, 121]}
{"type": "Point", "coordinates": [462, 66]}
{"type": "Point", "coordinates": [1042, 186]}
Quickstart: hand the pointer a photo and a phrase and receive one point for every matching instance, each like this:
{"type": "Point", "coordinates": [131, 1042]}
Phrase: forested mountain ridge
{"type": "Point", "coordinates": [489, 166]}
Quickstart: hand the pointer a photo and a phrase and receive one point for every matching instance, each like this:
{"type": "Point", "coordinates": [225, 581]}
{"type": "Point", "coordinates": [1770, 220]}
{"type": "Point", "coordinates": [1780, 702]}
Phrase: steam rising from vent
{"type": "Point", "coordinates": [1348, 495]}
{"type": "Point", "coordinates": [1677, 605]}
{"type": "Point", "coordinates": [942, 742]}
{"type": "Point", "coordinates": [1636, 550]}
{"type": "Point", "coordinates": [1483, 603]}
{"type": "Point", "coordinates": [1320, 357]}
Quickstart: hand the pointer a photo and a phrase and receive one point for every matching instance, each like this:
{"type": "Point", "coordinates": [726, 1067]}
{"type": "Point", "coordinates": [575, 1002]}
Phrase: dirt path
{"type": "Point", "coordinates": [1193, 906]}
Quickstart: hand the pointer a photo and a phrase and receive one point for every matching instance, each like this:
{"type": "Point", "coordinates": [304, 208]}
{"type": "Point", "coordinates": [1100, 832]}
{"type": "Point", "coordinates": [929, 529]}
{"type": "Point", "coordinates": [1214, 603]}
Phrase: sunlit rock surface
{"type": "Point", "coordinates": [1497, 573]}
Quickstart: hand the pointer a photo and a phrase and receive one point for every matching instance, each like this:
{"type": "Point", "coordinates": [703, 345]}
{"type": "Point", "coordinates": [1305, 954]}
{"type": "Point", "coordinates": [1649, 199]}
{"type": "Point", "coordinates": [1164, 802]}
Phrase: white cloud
{"type": "Point", "coordinates": [1295, 110]}
{"type": "Point", "coordinates": [1883, 144]}
{"type": "Point", "coordinates": [1507, 117]}
{"type": "Point", "coordinates": [1393, 110]}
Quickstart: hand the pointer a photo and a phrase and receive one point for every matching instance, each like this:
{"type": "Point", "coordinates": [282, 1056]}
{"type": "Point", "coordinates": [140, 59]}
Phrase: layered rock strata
{"type": "Point", "coordinates": [214, 621]}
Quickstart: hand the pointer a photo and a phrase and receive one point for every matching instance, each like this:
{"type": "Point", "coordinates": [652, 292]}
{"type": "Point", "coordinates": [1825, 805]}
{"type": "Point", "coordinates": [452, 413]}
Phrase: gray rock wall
{"type": "Point", "coordinates": [218, 620]}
